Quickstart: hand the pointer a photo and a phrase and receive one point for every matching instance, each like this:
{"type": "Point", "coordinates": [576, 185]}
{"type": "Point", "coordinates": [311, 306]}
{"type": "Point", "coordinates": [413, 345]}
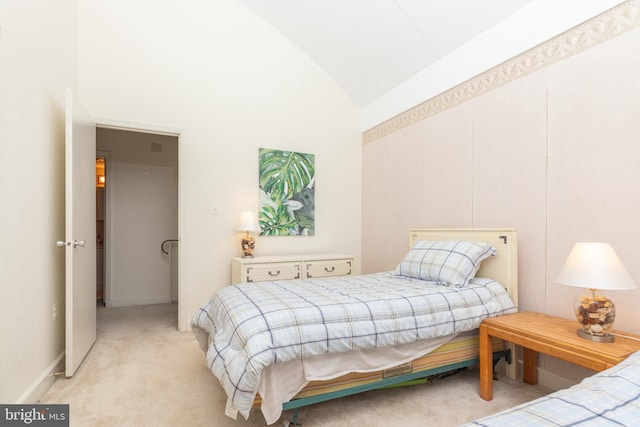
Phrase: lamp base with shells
{"type": "Point", "coordinates": [248, 245]}
{"type": "Point", "coordinates": [596, 314]}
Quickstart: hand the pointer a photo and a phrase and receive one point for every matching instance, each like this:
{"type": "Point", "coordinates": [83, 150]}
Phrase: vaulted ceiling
{"type": "Point", "coordinates": [369, 47]}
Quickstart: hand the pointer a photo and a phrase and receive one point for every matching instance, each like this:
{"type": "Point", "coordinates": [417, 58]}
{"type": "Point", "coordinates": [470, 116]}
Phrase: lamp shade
{"type": "Point", "coordinates": [595, 266]}
{"type": "Point", "coordinates": [248, 222]}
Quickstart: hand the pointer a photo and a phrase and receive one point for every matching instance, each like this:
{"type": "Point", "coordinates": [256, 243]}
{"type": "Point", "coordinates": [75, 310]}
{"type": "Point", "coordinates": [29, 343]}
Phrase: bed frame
{"type": "Point", "coordinates": [503, 268]}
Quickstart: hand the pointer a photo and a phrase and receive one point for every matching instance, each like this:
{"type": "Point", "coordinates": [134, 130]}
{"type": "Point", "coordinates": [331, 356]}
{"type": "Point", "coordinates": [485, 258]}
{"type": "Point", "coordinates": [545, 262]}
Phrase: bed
{"type": "Point", "coordinates": [608, 398]}
{"type": "Point", "coordinates": [287, 344]}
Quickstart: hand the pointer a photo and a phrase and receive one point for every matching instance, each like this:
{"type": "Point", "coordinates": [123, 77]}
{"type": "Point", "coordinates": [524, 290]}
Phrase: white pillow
{"type": "Point", "coordinates": [445, 262]}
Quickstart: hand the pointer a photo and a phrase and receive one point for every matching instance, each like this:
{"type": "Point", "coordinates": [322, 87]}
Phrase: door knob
{"type": "Point", "coordinates": [77, 243]}
{"type": "Point", "coordinates": [61, 243]}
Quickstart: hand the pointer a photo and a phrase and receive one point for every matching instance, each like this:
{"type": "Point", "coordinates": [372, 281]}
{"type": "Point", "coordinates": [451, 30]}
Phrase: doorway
{"type": "Point", "coordinates": [139, 212]}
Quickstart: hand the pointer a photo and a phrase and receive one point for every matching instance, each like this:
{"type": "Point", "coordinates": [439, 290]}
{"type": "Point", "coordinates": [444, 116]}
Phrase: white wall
{"type": "Point", "coordinates": [229, 84]}
{"type": "Point", "coordinates": [143, 213]}
{"type": "Point", "coordinates": [37, 61]}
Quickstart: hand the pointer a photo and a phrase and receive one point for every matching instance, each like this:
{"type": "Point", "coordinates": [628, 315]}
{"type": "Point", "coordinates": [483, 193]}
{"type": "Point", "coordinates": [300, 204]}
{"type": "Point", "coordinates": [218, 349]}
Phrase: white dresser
{"type": "Point", "coordinates": [289, 267]}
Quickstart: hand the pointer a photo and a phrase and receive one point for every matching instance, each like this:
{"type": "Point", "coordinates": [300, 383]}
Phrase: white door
{"type": "Point", "coordinates": [80, 233]}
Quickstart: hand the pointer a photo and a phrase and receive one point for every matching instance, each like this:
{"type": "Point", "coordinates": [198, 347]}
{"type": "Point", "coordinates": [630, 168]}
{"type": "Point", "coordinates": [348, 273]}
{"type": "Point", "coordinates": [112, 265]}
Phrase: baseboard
{"type": "Point", "coordinates": [129, 301]}
{"type": "Point", "coordinates": [548, 379]}
{"type": "Point", "coordinates": [43, 383]}
{"type": "Point", "coordinates": [553, 381]}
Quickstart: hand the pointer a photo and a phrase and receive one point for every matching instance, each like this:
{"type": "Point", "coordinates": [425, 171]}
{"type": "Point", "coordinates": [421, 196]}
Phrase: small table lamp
{"type": "Point", "coordinates": [248, 223]}
{"type": "Point", "coordinates": [595, 266]}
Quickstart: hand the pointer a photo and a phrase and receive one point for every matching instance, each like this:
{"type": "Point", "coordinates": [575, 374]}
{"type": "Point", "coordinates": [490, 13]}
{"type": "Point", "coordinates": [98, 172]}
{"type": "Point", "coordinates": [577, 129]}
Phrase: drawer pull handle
{"type": "Point", "coordinates": [277, 273]}
{"type": "Point", "coordinates": [329, 270]}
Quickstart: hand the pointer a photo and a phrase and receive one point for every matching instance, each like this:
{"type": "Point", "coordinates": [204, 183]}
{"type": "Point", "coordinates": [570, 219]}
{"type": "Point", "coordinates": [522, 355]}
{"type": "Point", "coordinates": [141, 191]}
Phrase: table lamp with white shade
{"type": "Point", "coordinates": [595, 266]}
{"type": "Point", "coordinates": [248, 223]}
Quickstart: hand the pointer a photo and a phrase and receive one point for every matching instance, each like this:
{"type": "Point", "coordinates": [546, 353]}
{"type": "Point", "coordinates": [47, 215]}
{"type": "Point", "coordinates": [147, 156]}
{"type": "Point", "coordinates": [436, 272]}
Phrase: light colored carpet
{"type": "Point", "coordinates": [143, 372]}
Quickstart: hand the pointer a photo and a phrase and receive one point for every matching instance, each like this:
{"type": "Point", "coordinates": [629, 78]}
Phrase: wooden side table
{"type": "Point", "coordinates": [551, 335]}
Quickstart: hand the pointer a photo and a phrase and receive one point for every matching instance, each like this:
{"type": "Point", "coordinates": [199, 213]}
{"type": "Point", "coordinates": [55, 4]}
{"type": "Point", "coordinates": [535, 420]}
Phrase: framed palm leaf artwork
{"type": "Point", "coordinates": [287, 193]}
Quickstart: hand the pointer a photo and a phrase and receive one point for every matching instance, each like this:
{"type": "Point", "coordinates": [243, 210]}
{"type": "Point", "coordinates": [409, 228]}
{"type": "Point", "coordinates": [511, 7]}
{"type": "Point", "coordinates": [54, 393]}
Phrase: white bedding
{"type": "Point", "coordinates": [261, 324]}
{"type": "Point", "coordinates": [279, 383]}
{"type": "Point", "coordinates": [610, 398]}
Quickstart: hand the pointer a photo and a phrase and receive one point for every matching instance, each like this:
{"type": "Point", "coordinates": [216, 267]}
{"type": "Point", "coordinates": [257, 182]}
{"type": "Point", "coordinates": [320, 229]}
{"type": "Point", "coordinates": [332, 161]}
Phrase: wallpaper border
{"type": "Point", "coordinates": [603, 27]}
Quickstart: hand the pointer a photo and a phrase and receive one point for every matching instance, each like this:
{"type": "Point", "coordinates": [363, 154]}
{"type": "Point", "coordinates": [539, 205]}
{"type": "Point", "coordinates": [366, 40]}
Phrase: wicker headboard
{"type": "Point", "coordinates": [503, 267]}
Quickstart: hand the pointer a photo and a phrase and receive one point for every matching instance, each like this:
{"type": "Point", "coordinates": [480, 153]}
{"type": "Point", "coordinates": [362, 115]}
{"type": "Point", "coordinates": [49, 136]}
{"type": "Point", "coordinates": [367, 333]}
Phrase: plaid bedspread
{"type": "Point", "coordinates": [608, 398]}
{"type": "Point", "coordinates": [255, 325]}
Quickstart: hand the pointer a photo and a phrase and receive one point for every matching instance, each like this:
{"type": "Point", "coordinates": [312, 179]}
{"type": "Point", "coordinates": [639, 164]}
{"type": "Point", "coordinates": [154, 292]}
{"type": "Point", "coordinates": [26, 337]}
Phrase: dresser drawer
{"type": "Point", "coordinates": [290, 267]}
{"type": "Point", "coordinates": [272, 271]}
{"type": "Point", "coordinates": [327, 268]}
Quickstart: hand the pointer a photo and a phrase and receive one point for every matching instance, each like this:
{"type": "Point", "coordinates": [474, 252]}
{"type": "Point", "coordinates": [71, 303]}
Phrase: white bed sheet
{"type": "Point", "coordinates": [282, 381]}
